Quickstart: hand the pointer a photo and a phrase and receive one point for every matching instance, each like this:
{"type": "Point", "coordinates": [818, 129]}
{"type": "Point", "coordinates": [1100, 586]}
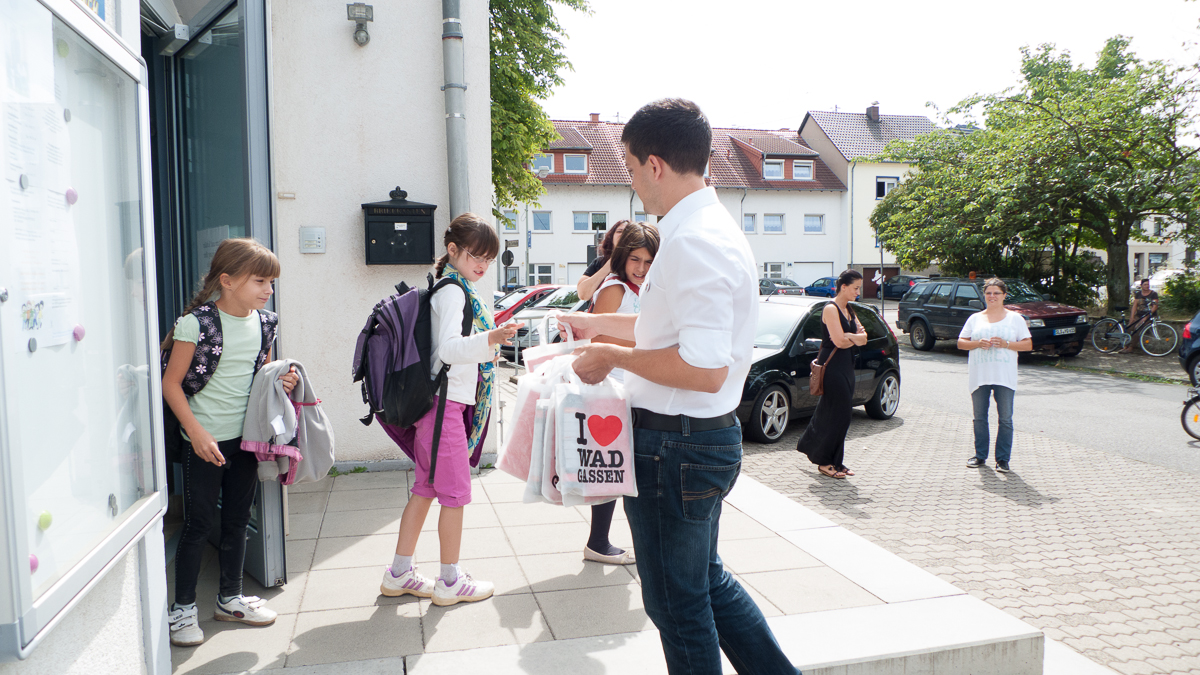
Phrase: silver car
{"type": "Point", "coordinates": [565, 299]}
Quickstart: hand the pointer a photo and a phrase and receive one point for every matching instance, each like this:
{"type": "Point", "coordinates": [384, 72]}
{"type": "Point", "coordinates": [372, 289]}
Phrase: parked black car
{"type": "Point", "coordinates": [938, 308]}
{"type": "Point", "coordinates": [1189, 350]}
{"type": "Point", "coordinates": [899, 285]}
{"type": "Point", "coordinates": [779, 287]}
{"type": "Point", "coordinates": [785, 344]}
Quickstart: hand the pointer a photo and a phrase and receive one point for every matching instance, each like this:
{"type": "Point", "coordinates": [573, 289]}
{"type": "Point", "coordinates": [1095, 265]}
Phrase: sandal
{"type": "Point", "coordinates": [831, 471]}
{"type": "Point", "coordinates": [844, 469]}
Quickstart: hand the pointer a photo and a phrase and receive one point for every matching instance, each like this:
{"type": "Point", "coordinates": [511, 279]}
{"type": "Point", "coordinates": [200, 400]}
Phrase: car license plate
{"type": "Point", "coordinates": [1064, 331]}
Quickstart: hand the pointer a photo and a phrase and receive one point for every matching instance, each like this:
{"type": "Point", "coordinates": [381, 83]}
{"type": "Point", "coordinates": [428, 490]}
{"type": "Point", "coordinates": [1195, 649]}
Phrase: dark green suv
{"type": "Point", "coordinates": [937, 309]}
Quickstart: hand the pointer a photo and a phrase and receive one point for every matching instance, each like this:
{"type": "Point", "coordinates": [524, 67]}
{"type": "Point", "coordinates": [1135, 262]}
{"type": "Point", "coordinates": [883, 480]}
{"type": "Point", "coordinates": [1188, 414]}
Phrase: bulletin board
{"type": "Point", "coordinates": [75, 366]}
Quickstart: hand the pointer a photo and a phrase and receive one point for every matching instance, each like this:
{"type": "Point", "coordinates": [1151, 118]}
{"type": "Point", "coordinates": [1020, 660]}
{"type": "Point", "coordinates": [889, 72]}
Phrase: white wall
{"type": "Point", "coordinates": [348, 124]}
{"type": "Point", "coordinates": [860, 203]}
{"type": "Point", "coordinates": [562, 245]}
{"type": "Point", "coordinates": [102, 634]}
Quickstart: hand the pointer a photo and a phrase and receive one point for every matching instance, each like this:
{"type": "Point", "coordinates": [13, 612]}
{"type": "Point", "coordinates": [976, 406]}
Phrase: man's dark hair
{"type": "Point", "coordinates": [674, 130]}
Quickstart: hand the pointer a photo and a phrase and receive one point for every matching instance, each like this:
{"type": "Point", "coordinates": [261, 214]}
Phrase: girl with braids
{"type": "Point", "coordinates": [471, 246]}
{"type": "Point", "coordinates": [211, 357]}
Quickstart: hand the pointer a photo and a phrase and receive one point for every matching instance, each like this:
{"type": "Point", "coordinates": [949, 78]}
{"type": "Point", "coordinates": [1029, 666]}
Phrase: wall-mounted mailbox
{"type": "Point", "coordinates": [398, 231]}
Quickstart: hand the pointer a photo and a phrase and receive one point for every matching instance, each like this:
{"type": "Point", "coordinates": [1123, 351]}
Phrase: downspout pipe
{"type": "Point", "coordinates": [632, 194]}
{"type": "Point", "coordinates": [455, 88]}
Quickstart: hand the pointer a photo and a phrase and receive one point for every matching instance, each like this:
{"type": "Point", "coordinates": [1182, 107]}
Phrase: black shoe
{"type": "Point", "coordinates": [1002, 467]}
{"type": "Point", "coordinates": [974, 463]}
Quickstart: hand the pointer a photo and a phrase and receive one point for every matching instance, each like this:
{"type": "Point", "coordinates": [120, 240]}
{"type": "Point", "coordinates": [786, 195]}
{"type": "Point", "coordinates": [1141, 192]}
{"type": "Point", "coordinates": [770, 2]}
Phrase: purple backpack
{"type": "Point", "coordinates": [392, 359]}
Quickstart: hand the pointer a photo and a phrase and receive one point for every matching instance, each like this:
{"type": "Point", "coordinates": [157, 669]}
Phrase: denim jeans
{"type": "Point", "coordinates": [1004, 407]}
{"type": "Point", "coordinates": [697, 606]}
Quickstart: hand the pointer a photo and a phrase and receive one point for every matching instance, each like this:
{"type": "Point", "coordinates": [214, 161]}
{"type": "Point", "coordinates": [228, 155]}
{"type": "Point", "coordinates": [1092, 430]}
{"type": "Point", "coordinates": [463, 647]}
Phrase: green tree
{"type": "Point", "coordinates": [1074, 157]}
{"type": "Point", "coordinates": [526, 59]}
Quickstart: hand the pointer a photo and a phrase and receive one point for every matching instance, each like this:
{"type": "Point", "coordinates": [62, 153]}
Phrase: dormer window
{"type": "Point", "coordinates": [575, 163]}
{"type": "Point", "coordinates": [542, 161]}
{"type": "Point", "coordinates": [773, 169]}
{"type": "Point", "coordinates": [802, 169]}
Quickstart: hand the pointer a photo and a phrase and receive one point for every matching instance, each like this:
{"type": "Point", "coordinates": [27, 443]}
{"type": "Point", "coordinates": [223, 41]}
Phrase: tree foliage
{"type": "Point", "coordinates": [526, 59]}
{"type": "Point", "coordinates": [1075, 158]}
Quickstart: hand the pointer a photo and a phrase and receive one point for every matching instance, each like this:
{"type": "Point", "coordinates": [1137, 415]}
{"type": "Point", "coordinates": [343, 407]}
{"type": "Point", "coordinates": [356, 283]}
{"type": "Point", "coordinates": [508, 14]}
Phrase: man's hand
{"type": "Point", "coordinates": [581, 325]}
{"type": "Point", "coordinates": [595, 361]}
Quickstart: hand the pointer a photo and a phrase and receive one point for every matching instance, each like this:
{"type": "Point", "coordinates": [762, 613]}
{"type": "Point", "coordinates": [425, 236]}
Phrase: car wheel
{"type": "Point", "coordinates": [770, 415]}
{"type": "Point", "coordinates": [1194, 370]}
{"type": "Point", "coordinates": [886, 401]}
{"type": "Point", "coordinates": [920, 336]}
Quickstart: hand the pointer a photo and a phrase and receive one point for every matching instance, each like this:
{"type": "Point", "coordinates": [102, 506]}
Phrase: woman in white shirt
{"type": "Point", "coordinates": [993, 337]}
{"type": "Point", "coordinates": [619, 293]}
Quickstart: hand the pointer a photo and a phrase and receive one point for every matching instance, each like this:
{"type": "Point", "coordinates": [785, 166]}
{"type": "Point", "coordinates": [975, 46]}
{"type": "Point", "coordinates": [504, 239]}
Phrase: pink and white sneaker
{"type": "Point", "coordinates": [409, 583]}
{"type": "Point", "coordinates": [464, 589]}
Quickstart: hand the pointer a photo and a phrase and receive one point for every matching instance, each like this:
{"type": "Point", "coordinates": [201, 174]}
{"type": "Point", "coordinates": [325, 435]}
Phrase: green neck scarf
{"type": "Point", "coordinates": [482, 321]}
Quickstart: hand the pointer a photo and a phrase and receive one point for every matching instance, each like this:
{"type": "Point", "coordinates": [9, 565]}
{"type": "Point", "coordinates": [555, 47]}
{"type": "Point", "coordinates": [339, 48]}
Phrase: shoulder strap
{"type": "Point", "coordinates": [468, 315]}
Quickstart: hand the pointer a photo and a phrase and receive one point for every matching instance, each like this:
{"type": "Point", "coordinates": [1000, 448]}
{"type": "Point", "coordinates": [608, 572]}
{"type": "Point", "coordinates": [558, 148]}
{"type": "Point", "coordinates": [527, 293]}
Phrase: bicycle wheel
{"type": "Point", "coordinates": [1191, 418]}
{"type": "Point", "coordinates": [1159, 339]}
{"type": "Point", "coordinates": [1106, 336]}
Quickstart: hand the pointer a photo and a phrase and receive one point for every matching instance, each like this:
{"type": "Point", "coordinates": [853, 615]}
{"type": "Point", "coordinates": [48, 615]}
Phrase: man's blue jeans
{"type": "Point", "coordinates": [698, 607]}
{"type": "Point", "coordinates": [1004, 407]}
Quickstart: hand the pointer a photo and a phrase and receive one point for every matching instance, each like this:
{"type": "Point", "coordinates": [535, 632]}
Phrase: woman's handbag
{"type": "Point", "coordinates": [816, 380]}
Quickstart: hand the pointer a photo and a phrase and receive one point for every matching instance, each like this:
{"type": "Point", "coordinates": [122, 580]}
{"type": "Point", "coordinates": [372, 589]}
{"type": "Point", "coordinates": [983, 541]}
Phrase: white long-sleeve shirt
{"type": "Point", "coordinates": [701, 294]}
{"type": "Point", "coordinates": [464, 354]}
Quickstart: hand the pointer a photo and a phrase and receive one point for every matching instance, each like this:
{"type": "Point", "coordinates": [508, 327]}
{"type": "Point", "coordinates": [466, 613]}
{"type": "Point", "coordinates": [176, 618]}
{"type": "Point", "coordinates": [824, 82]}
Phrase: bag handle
{"type": "Point", "coordinates": [544, 328]}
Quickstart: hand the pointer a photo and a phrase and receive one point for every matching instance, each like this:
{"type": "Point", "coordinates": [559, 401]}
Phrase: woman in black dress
{"type": "Point", "coordinates": [824, 440]}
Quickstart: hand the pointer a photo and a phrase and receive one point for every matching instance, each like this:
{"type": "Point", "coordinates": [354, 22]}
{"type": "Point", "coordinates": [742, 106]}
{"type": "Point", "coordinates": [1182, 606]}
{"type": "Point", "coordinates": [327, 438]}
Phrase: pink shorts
{"type": "Point", "coordinates": [452, 480]}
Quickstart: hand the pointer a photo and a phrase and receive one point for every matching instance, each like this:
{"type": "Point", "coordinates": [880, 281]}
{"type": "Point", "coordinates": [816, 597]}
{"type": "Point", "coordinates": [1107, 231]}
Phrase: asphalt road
{"type": "Point", "coordinates": [1139, 420]}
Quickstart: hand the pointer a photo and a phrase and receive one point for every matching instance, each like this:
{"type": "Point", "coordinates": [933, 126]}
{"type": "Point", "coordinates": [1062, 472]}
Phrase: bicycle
{"type": "Point", "coordinates": [1157, 338]}
{"type": "Point", "coordinates": [1191, 413]}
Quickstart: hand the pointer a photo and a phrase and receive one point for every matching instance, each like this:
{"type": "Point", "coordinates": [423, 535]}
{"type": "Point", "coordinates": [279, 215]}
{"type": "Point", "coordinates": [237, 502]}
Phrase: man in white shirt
{"type": "Point", "coordinates": [694, 337]}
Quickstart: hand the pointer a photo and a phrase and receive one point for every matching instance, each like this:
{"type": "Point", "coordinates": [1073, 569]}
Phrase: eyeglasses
{"type": "Point", "coordinates": [487, 261]}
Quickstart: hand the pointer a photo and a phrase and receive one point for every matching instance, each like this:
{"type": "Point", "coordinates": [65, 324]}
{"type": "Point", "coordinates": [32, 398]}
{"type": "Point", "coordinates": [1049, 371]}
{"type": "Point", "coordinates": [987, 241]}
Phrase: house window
{"type": "Point", "coordinates": [884, 185]}
{"type": "Point", "coordinates": [579, 221]}
{"type": "Point", "coordinates": [640, 217]}
{"type": "Point", "coordinates": [540, 274]}
{"type": "Point", "coordinates": [586, 221]}
{"type": "Point", "coordinates": [543, 161]}
{"type": "Point", "coordinates": [541, 221]}
{"type": "Point", "coordinates": [814, 224]}
{"type": "Point", "coordinates": [773, 222]}
{"type": "Point", "coordinates": [1157, 262]}
{"type": "Point", "coordinates": [749, 223]}
{"type": "Point", "coordinates": [575, 163]}
{"type": "Point", "coordinates": [773, 169]}
{"type": "Point", "coordinates": [1158, 227]}
{"type": "Point", "coordinates": [512, 277]}
{"type": "Point", "coordinates": [802, 170]}
{"type": "Point", "coordinates": [773, 270]}
{"type": "Point", "coordinates": [510, 221]}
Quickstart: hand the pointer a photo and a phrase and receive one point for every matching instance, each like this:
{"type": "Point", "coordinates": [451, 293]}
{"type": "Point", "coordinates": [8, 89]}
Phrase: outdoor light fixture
{"type": "Point", "coordinates": [360, 13]}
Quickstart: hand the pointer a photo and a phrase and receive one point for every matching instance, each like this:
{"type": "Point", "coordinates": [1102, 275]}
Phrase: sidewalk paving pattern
{"type": "Point", "coordinates": [1099, 551]}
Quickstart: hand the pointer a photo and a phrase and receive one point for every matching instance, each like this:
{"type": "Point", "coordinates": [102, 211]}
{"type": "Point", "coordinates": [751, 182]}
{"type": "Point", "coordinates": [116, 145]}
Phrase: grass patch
{"type": "Point", "coordinates": [1114, 373]}
{"type": "Point", "coordinates": [358, 469]}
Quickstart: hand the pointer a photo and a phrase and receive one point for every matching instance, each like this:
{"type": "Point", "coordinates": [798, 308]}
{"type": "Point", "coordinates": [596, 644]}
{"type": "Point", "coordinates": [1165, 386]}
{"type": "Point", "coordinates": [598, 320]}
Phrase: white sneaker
{"type": "Point", "coordinates": [464, 589]}
{"type": "Point", "coordinates": [185, 627]}
{"type": "Point", "coordinates": [411, 583]}
{"type": "Point", "coordinates": [246, 609]}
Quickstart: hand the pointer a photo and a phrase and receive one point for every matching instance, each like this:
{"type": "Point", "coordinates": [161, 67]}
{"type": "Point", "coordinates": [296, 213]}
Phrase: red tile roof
{"type": "Point", "coordinates": [728, 166]}
{"type": "Point", "coordinates": [569, 139]}
{"type": "Point", "coordinates": [855, 135]}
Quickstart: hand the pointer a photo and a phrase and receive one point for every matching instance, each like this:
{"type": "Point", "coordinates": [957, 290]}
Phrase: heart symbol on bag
{"type": "Point", "coordinates": [604, 429]}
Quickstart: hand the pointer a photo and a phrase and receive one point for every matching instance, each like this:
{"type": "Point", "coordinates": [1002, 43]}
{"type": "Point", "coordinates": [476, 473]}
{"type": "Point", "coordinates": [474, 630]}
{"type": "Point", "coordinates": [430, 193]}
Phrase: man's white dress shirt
{"type": "Point", "coordinates": [701, 294]}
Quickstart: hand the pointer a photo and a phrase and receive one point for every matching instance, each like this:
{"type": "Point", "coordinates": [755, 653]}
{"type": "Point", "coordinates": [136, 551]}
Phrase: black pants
{"type": "Point", "coordinates": [203, 484]}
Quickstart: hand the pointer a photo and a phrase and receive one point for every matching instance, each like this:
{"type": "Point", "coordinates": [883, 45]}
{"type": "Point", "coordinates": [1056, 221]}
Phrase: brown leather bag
{"type": "Point", "coordinates": [816, 380]}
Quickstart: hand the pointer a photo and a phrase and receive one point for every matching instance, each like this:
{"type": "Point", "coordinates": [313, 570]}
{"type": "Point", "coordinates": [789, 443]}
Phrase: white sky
{"type": "Point", "coordinates": [764, 63]}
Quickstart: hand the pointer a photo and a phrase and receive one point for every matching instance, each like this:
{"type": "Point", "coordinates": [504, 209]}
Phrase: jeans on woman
{"type": "Point", "coordinates": [203, 483]}
{"type": "Point", "coordinates": [1004, 407]}
{"type": "Point", "coordinates": [698, 607]}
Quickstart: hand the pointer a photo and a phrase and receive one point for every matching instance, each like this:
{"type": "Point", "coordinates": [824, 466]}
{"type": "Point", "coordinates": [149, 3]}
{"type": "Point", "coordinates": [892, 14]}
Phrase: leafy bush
{"type": "Point", "coordinates": [1182, 293]}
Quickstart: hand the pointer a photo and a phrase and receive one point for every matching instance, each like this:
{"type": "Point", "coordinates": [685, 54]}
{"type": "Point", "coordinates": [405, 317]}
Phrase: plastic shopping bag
{"type": "Point", "coordinates": [535, 356]}
{"type": "Point", "coordinates": [533, 484]}
{"type": "Point", "coordinates": [514, 459]}
{"type": "Point", "coordinates": [594, 439]}
{"type": "Point", "coordinates": [550, 491]}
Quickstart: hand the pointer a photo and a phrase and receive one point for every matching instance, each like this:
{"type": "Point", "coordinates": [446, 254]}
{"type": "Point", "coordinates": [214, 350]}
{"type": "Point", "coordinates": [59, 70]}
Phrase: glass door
{"type": "Point", "coordinates": [215, 188]}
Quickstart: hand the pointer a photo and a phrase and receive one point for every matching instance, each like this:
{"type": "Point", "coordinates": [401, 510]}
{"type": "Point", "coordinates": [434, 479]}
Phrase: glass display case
{"type": "Point", "coordinates": [79, 393]}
